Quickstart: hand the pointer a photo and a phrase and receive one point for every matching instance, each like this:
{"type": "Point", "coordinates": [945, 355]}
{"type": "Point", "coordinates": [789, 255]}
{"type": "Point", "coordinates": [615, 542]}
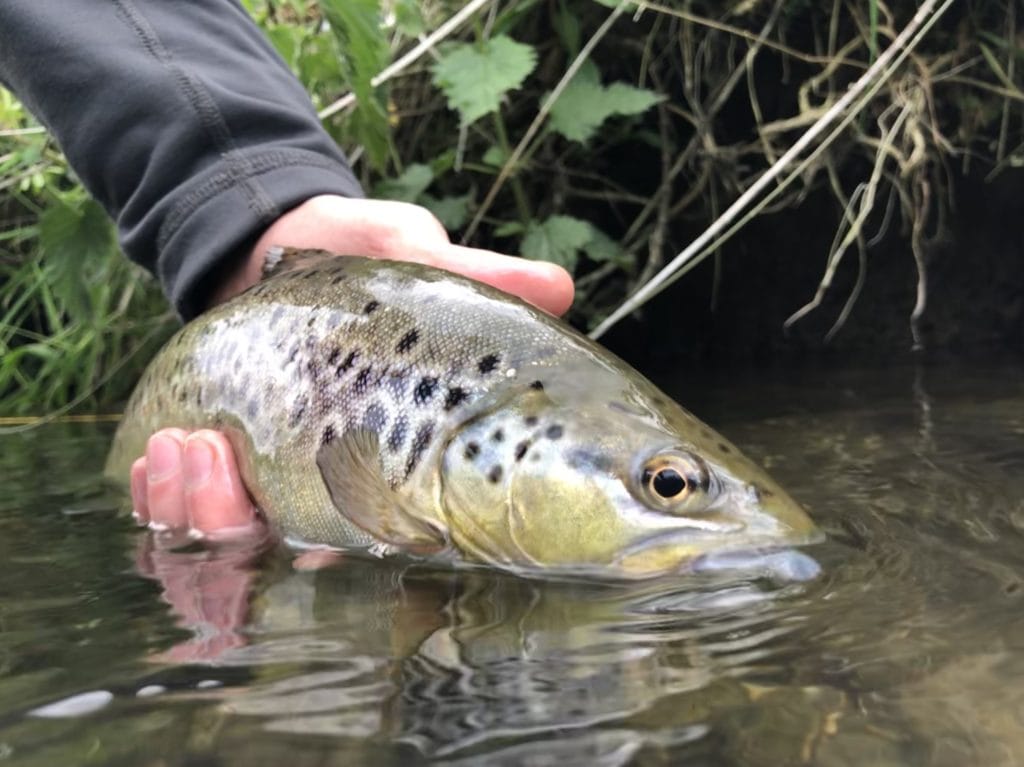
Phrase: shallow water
{"type": "Point", "coordinates": [908, 650]}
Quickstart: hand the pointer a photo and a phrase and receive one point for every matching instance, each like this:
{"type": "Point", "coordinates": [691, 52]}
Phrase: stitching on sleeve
{"type": "Point", "coordinates": [205, 108]}
{"type": "Point", "coordinates": [257, 162]}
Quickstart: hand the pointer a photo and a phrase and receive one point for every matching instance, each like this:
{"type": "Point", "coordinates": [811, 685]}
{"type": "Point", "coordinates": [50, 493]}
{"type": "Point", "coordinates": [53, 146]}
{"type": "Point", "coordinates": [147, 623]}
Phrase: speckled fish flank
{"type": "Point", "coordinates": [394, 407]}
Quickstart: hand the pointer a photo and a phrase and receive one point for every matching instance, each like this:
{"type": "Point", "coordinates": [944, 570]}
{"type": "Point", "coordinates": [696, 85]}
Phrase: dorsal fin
{"type": "Point", "coordinates": [279, 259]}
{"type": "Point", "coordinates": [351, 469]}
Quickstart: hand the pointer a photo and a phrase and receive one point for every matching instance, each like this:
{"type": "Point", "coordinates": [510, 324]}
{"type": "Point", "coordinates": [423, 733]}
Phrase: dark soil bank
{"type": "Point", "coordinates": [975, 283]}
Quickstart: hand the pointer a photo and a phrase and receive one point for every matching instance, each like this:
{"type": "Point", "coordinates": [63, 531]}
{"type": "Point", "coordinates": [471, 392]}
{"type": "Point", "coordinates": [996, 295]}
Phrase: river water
{"type": "Point", "coordinates": [118, 648]}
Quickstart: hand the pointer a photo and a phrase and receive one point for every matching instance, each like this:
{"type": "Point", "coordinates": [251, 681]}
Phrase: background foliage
{"type": "Point", "coordinates": [673, 110]}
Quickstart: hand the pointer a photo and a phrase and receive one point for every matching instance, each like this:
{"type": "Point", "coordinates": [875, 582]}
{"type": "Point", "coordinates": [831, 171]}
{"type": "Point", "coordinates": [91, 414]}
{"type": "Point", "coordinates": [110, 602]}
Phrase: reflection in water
{"type": "Point", "coordinates": [454, 665]}
{"type": "Point", "coordinates": [905, 650]}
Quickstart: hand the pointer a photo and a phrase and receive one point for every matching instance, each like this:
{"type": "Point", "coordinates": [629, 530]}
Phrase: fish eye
{"type": "Point", "coordinates": [671, 480]}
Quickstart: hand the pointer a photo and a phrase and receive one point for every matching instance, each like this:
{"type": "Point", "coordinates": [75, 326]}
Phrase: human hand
{"type": "Point", "coordinates": [399, 231]}
{"type": "Point", "coordinates": [193, 480]}
{"type": "Point", "coordinates": [207, 589]}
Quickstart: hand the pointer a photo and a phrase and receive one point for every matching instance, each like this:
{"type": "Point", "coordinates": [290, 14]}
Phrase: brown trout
{"type": "Point", "coordinates": [392, 407]}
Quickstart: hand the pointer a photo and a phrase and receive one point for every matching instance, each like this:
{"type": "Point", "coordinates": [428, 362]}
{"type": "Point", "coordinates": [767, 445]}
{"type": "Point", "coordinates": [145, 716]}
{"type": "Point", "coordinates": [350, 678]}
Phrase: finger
{"type": "Point", "coordinates": [381, 228]}
{"type": "Point", "coordinates": [140, 503]}
{"type": "Point", "coordinates": [215, 496]}
{"type": "Point", "coordinates": [165, 486]}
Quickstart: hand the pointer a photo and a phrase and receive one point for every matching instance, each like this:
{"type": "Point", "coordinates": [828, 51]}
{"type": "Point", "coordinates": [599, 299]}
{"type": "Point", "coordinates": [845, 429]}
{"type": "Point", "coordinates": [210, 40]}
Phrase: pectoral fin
{"type": "Point", "coordinates": [351, 470]}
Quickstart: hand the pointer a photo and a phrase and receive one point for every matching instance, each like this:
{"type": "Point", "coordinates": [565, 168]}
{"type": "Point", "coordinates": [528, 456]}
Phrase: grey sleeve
{"type": "Point", "coordinates": [179, 118]}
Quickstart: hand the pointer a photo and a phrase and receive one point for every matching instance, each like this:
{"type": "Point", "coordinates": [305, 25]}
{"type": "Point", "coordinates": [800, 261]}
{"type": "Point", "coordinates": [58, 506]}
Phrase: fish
{"type": "Point", "coordinates": [392, 408]}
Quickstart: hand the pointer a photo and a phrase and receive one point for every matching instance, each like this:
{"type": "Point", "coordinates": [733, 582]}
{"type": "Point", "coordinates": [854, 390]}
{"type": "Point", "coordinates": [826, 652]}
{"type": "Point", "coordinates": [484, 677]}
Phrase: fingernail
{"type": "Point", "coordinates": [199, 458]}
{"type": "Point", "coordinates": [163, 455]}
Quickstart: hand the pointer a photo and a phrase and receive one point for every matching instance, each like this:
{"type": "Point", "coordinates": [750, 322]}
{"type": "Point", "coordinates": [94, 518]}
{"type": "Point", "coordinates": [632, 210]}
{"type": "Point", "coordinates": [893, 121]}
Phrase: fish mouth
{"type": "Point", "coordinates": [709, 546]}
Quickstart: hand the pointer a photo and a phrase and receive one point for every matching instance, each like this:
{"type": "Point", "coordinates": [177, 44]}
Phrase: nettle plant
{"type": "Point", "coordinates": [493, 127]}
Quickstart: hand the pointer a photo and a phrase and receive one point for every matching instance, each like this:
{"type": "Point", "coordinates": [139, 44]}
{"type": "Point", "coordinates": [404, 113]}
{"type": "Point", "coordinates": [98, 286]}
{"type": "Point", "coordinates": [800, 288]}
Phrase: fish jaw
{"type": "Point", "coordinates": [675, 551]}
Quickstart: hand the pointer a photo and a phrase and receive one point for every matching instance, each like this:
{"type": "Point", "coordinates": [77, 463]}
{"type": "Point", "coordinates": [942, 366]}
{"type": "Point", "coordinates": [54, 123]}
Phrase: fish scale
{"type": "Point", "coordinates": [375, 402]}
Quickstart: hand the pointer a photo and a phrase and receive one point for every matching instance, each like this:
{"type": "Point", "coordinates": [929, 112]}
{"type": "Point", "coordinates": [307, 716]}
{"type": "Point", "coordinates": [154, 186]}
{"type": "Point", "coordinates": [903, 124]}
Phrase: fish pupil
{"type": "Point", "coordinates": [668, 483]}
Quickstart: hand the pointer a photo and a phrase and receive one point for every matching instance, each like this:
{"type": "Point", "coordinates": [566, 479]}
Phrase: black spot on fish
{"type": "Point", "coordinates": [375, 418]}
{"type": "Point", "coordinates": [408, 341]}
{"type": "Point", "coordinates": [554, 431]}
{"type": "Point", "coordinates": [397, 436]}
{"type": "Point", "coordinates": [310, 274]}
{"type": "Point", "coordinates": [362, 380]}
{"type": "Point", "coordinates": [488, 364]}
{"type": "Point", "coordinates": [328, 436]}
{"type": "Point", "coordinates": [494, 475]}
{"type": "Point", "coordinates": [498, 435]}
{"type": "Point", "coordinates": [297, 412]}
{"type": "Point", "coordinates": [455, 396]}
{"type": "Point", "coordinates": [337, 279]}
{"type": "Point", "coordinates": [724, 447]}
{"type": "Point", "coordinates": [521, 449]}
{"type": "Point", "coordinates": [424, 390]}
{"type": "Point", "coordinates": [419, 444]}
{"type": "Point", "coordinates": [371, 307]}
{"type": "Point", "coordinates": [311, 321]}
{"type": "Point", "coordinates": [347, 363]}
{"type": "Point", "coordinates": [313, 368]}
{"type": "Point", "coordinates": [276, 315]}
{"type": "Point", "coordinates": [332, 358]}
{"type": "Point", "coordinates": [585, 459]}
{"type": "Point", "coordinates": [472, 451]}
{"type": "Point", "coordinates": [537, 386]}
{"type": "Point", "coordinates": [530, 420]}
{"type": "Point", "coordinates": [293, 353]}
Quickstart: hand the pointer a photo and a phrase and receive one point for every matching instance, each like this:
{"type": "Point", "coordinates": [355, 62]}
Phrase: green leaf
{"type": "Point", "coordinates": [567, 25]}
{"type": "Point", "coordinates": [409, 186]}
{"type": "Point", "coordinates": [75, 238]}
{"type": "Point", "coordinates": [359, 28]}
{"type": "Point", "coordinates": [585, 104]}
{"type": "Point", "coordinates": [559, 240]}
{"type": "Point", "coordinates": [452, 212]}
{"type": "Point", "coordinates": [475, 78]}
{"type": "Point", "coordinates": [409, 17]}
{"type": "Point", "coordinates": [320, 64]}
{"type": "Point", "coordinates": [602, 249]}
{"type": "Point", "coordinates": [508, 229]}
{"type": "Point", "coordinates": [495, 156]}
{"type": "Point", "coordinates": [288, 42]}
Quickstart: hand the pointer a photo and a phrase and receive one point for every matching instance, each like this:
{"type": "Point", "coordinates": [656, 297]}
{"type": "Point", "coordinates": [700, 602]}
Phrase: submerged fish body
{"type": "Point", "coordinates": [392, 406]}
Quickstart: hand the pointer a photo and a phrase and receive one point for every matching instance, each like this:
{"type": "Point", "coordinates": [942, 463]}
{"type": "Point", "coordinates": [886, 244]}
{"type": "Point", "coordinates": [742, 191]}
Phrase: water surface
{"type": "Point", "coordinates": [119, 648]}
